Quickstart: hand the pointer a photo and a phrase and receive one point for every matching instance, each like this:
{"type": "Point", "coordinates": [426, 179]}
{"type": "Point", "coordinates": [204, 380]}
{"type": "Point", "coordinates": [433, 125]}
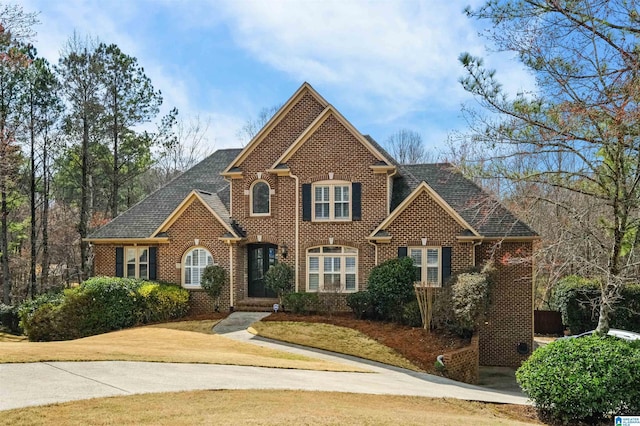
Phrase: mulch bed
{"type": "Point", "coordinates": [415, 344]}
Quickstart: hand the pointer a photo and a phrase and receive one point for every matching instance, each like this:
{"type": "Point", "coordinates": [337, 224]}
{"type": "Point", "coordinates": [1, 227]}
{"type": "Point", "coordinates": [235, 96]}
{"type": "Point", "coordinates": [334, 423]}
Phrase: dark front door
{"type": "Point", "coordinates": [261, 258]}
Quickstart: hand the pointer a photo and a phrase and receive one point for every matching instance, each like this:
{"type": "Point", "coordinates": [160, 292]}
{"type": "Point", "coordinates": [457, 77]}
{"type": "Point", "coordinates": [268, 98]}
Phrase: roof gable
{"type": "Point", "coordinates": [277, 117]}
{"type": "Point", "coordinates": [328, 112]}
{"type": "Point", "coordinates": [210, 201]}
{"type": "Point", "coordinates": [478, 208]}
{"type": "Point", "coordinates": [423, 187]}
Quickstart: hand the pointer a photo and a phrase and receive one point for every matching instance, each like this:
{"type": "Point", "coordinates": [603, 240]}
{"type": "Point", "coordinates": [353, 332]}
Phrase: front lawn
{"type": "Point", "coordinates": [161, 343]}
{"type": "Point", "coordinates": [270, 407]}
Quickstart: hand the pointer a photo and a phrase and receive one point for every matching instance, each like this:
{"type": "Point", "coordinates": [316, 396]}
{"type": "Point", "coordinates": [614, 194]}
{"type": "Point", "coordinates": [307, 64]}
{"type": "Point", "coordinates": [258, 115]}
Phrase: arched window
{"type": "Point", "coordinates": [332, 268]}
{"type": "Point", "coordinates": [194, 263]}
{"type": "Point", "coordinates": [260, 198]}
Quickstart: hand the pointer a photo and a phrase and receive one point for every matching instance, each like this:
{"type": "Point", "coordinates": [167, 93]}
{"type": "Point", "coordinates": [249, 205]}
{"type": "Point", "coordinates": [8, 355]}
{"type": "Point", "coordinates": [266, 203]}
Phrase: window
{"type": "Point", "coordinates": [427, 263]}
{"type": "Point", "coordinates": [332, 201]}
{"type": "Point", "coordinates": [260, 198]}
{"type": "Point", "coordinates": [332, 268]}
{"type": "Point", "coordinates": [137, 262]}
{"type": "Point", "coordinates": [194, 263]}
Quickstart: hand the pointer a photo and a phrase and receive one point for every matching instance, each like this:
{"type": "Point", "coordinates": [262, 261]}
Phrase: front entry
{"type": "Point", "coordinates": [261, 258]}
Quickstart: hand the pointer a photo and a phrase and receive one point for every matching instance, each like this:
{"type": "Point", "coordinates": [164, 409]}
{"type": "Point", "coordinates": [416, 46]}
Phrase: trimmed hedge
{"type": "Point", "coordinates": [578, 300]}
{"type": "Point", "coordinates": [301, 303]}
{"type": "Point", "coordinates": [100, 305]}
{"type": "Point", "coordinates": [584, 379]}
{"type": "Point", "coordinates": [390, 287]}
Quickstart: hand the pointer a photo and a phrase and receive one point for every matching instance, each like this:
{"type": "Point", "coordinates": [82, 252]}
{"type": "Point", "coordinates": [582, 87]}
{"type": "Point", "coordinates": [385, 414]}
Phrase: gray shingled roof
{"type": "Point", "coordinates": [141, 220]}
{"type": "Point", "coordinates": [485, 214]}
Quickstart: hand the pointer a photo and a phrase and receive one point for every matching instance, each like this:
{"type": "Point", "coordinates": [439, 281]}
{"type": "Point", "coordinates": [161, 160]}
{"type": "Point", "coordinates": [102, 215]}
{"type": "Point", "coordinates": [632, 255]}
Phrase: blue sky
{"type": "Point", "coordinates": [386, 65]}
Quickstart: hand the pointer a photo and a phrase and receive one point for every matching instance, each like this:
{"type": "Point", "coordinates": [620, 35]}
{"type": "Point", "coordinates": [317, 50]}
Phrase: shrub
{"type": "Point", "coordinates": [100, 305]}
{"type": "Point", "coordinates": [163, 302]}
{"type": "Point", "coordinates": [584, 379]}
{"type": "Point", "coordinates": [301, 303]}
{"type": "Point", "coordinates": [470, 300]}
{"type": "Point", "coordinates": [279, 279]}
{"type": "Point", "coordinates": [213, 280]}
{"type": "Point", "coordinates": [9, 318]}
{"type": "Point", "coordinates": [391, 287]}
{"type": "Point", "coordinates": [578, 300]}
{"type": "Point", "coordinates": [411, 314]}
{"type": "Point", "coordinates": [361, 304]}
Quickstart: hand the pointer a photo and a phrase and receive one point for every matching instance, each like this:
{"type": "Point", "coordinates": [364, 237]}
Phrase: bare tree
{"type": "Point", "coordinates": [253, 126]}
{"type": "Point", "coordinates": [581, 131]}
{"type": "Point", "coordinates": [406, 147]}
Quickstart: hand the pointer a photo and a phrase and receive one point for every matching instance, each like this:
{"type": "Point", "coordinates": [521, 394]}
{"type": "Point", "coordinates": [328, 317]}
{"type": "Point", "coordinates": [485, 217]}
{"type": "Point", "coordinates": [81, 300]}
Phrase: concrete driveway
{"type": "Point", "coordinates": [51, 382]}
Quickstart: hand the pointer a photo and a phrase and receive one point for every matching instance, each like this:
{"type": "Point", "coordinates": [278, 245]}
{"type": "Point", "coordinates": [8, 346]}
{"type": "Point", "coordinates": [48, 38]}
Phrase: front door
{"type": "Point", "coordinates": [261, 258]}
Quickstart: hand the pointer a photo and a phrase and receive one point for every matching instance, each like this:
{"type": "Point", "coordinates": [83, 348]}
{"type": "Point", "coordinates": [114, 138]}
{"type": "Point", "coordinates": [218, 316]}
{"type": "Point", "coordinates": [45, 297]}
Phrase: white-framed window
{"type": "Point", "coordinates": [136, 262]}
{"type": "Point", "coordinates": [260, 194]}
{"type": "Point", "coordinates": [332, 269]}
{"type": "Point", "coordinates": [427, 263]}
{"type": "Point", "coordinates": [195, 260]}
{"type": "Point", "coordinates": [332, 201]}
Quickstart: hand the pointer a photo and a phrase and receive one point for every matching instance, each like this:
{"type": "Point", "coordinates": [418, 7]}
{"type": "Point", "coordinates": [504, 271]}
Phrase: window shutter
{"type": "Point", "coordinates": [356, 209]}
{"type": "Point", "coordinates": [446, 264]}
{"type": "Point", "coordinates": [306, 202]}
{"type": "Point", "coordinates": [402, 252]}
{"type": "Point", "coordinates": [119, 262]}
{"type": "Point", "coordinates": [152, 263]}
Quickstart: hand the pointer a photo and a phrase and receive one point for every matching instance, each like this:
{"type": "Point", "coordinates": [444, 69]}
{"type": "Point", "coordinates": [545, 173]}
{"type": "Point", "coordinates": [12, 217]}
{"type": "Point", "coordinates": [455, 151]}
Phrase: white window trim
{"type": "Point", "coordinates": [332, 184]}
{"type": "Point", "coordinates": [138, 249]}
{"type": "Point", "coordinates": [425, 265]}
{"type": "Point", "coordinates": [183, 267]}
{"type": "Point", "coordinates": [251, 213]}
{"type": "Point", "coordinates": [343, 269]}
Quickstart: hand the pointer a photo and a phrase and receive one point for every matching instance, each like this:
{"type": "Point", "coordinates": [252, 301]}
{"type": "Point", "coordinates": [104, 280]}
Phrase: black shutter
{"type": "Point", "coordinates": [119, 262]}
{"type": "Point", "coordinates": [153, 264]}
{"type": "Point", "coordinates": [402, 252]}
{"type": "Point", "coordinates": [306, 202]}
{"type": "Point", "coordinates": [356, 209]}
{"type": "Point", "coordinates": [446, 264]}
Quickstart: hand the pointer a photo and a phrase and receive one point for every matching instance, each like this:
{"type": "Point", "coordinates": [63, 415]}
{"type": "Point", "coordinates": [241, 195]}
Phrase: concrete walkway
{"type": "Point", "coordinates": [50, 382]}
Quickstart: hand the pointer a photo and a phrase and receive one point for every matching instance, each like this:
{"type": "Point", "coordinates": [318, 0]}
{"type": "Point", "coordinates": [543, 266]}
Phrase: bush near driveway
{"type": "Point", "coordinates": [100, 305]}
{"type": "Point", "coordinates": [585, 379]}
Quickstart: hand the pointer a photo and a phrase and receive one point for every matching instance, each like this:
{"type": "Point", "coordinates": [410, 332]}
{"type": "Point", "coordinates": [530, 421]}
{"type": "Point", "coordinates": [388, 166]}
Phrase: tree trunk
{"type": "Point", "coordinates": [45, 215]}
{"type": "Point", "coordinates": [82, 226]}
{"type": "Point", "coordinates": [4, 245]}
{"type": "Point", "coordinates": [32, 196]}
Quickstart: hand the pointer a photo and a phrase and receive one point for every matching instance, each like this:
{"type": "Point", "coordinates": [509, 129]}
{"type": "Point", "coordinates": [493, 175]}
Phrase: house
{"type": "Point", "coordinates": [310, 190]}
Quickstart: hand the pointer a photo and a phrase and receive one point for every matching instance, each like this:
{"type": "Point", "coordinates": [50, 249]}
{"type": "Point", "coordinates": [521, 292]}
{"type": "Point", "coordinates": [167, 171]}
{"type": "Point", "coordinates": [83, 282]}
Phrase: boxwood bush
{"type": "Point", "coordinates": [301, 303]}
{"type": "Point", "coordinates": [100, 305]}
{"type": "Point", "coordinates": [586, 379]}
{"type": "Point", "coordinates": [390, 286]}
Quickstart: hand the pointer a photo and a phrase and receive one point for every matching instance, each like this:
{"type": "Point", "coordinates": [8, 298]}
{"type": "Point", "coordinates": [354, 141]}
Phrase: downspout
{"type": "Point", "coordinates": [230, 195]}
{"type": "Point", "coordinates": [375, 250]}
{"type": "Point", "coordinates": [297, 231]}
{"type": "Point", "coordinates": [230, 276]}
{"type": "Point", "coordinates": [473, 249]}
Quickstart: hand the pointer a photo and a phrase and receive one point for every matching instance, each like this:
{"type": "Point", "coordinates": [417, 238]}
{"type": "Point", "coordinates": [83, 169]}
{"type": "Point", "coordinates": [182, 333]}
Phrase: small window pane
{"type": "Point", "coordinates": [131, 255]}
{"type": "Point", "coordinates": [143, 256]}
{"type": "Point", "coordinates": [432, 256]}
{"type": "Point", "coordinates": [187, 276]}
{"type": "Point", "coordinates": [416, 255]}
{"type": "Point", "coordinates": [187, 260]}
{"type": "Point", "coordinates": [332, 249]}
{"type": "Point", "coordinates": [351, 282]}
{"type": "Point", "coordinates": [131, 270]}
{"type": "Point", "coordinates": [209, 260]}
{"type": "Point", "coordinates": [350, 264]}
{"type": "Point", "coordinates": [331, 282]}
{"type": "Point", "coordinates": [143, 272]}
{"type": "Point", "coordinates": [260, 198]}
{"type": "Point", "coordinates": [322, 210]}
{"type": "Point", "coordinates": [336, 264]}
{"type": "Point", "coordinates": [328, 264]}
{"type": "Point", "coordinates": [313, 281]}
{"type": "Point", "coordinates": [432, 275]}
{"type": "Point", "coordinates": [314, 264]}
{"type": "Point", "coordinates": [314, 250]}
{"type": "Point", "coordinates": [350, 250]}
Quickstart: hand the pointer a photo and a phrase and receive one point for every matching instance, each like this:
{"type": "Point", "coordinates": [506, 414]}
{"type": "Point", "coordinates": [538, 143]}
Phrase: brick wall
{"type": "Point", "coordinates": [510, 317]}
{"type": "Point", "coordinates": [463, 364]}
